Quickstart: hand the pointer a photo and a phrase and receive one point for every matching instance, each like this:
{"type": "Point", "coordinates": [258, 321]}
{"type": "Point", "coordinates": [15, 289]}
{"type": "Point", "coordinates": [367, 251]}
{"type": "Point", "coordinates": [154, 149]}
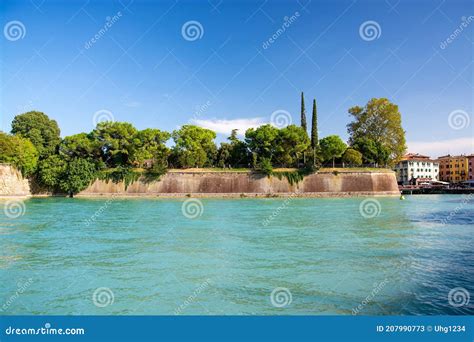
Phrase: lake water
{"type": "Point", "coordinates": [238, 256]}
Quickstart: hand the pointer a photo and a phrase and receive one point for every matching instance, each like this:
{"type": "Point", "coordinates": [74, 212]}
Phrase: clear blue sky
{"type": "Point", "coordinates": [143, 71]}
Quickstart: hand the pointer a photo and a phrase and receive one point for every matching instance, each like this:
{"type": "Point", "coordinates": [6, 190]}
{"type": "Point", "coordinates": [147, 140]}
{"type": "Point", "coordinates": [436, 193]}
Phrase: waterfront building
{"type": "Point", "coordinates": [415, 168]}
{"type": "Point", "coordinates": [453, 169]}
{"type": "Point", "coordinates": [470, 165]}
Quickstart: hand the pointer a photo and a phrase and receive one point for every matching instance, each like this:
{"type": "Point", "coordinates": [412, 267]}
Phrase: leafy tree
{"type": "Point", "coordinates": [372, 152]}
{"type": "Point", "coordinates": [116, 141]}
{"type": "Point", "coordinates": [291, 143]}
{"type": "Point", "coordinates": [380, 121]}
{"type": "Point", "coordinates": [239, 154]}
{"type": "Point", "coordinates": [51, 170]}
{"type": "Point", "coordinates": [303, 113]}
{"type": "Point", "coordinates": [332, 147]}
{"type": "Point", "coordinates": [314, 127]}
{"type": "Point", "coordinates": [265, 166]}
{"type": "Point", "coordinates": [352, 157]}
{"type": "Point", "coordinates": [80, 145]}
{"type": "Point", "coordinates": [20, 152]}
{"type": "Point", "coordinates": [79, 173]}
{"type": "Point", "coordinates": [150, 144]}
{"type": "Point", "coordinates": [39, 129]}
{"type": "Point", "coordinates": [261, 141]}
{"type": "Point", "coordinates": [194, 146]}
{"type": "Point", "coordinates": [224, 154]}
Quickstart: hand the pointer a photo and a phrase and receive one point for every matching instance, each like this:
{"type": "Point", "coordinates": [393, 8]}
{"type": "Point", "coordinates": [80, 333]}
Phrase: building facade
{"type": "Point", "coordinates": [415, 168]}
{"type": "Point", "coordinates": [453, 169]}
{"type": "Point", "coordinates": [470, 165]}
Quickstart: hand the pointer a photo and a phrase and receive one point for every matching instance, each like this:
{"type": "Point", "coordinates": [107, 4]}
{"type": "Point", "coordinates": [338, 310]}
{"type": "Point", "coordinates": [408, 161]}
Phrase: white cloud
{"type": "Point", "coordinates": [439, 148]}
{"type": "Point", "coordinates": [226, 126]}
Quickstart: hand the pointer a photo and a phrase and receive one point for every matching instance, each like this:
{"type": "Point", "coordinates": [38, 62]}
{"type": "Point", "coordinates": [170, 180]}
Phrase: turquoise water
{"type": "Point", "coordinates": [318, 256]}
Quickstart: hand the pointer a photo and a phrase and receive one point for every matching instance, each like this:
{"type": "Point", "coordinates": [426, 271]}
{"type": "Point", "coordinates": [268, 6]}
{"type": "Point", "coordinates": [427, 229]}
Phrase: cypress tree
{"type": "Point", "coordinates": [314, 127]}
{"type": "Point", "coordinates": [303, 113]}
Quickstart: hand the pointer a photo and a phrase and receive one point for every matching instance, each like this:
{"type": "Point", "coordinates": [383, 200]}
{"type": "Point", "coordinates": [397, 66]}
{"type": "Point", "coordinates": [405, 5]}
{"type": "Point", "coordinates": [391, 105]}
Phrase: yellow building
{"type": "Point", "coordinates": [453, 169]}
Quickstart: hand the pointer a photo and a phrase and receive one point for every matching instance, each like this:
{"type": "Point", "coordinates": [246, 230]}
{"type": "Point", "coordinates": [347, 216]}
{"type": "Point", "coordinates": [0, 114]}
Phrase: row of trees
{"type": "Point", "coordinates": [70, 164]}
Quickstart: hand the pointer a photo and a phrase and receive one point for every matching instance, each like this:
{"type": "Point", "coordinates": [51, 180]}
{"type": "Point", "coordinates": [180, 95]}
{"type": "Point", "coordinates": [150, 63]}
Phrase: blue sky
{"type": "Point", "coordinates": [144, 70]}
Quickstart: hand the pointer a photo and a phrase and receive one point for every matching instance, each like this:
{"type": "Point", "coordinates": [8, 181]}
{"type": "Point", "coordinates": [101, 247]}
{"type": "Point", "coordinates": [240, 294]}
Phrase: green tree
{"type": "Point", "coordinates": [150, 143]}
{"type": "Point", "coordinates": [291, 143]}
{"type": "Point", "coordinates": [19, 152]}
{"type": "Point", "coordinates": [80, 145]}
{"type": "Point", "coordinates": [116, 142]}
{"type": "Point", "coordinates": [239, 154]}
{"type": "Point", "coordinates": [352, 157]}
{"type": "Point", "coordinates": [314, 127]}
{"type": "Point", "coordinates": [79, 173]}
{"type": "Point", "coordinates": [380, 121]}
{"type": "Point", "coordinates": [51, 171]}
{"type": "Point", "coordinates": [39, 129]}
{"type": "Point", "coordinates": [224, 154]}
{"type": "Point", "coordinates": [261, 142]}
{"type": "Point", "coordinates": [303, 113]}
{"type": "Point", "coordinates": [372, 152]}
{"type": "Point", "coordinates": [332, 147]}
{"type": "Point", "coordinates": [194, 146]}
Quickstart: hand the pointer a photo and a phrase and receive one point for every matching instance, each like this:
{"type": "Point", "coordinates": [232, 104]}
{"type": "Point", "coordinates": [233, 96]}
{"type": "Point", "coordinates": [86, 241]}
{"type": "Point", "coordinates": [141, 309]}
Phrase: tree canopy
{"type": "Point", "coordinates": [380, 121]}
{"type": "Point", "coordinates": [40, 130]}
{"type": "Point", "coordinates": [332, 147]}
{"type": "Point", "coordinates": [18, 151]}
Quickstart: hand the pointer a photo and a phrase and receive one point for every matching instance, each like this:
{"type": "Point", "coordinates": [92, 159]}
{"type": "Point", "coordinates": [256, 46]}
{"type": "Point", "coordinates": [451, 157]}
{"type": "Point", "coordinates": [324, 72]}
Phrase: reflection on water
{"type": "Point", "coordinates": [143, 256]}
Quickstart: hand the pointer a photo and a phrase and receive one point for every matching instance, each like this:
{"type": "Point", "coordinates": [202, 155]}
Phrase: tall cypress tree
{"type": "Point", "coordinates": [303, 113]}
{"type": "Point", "coordinates": [314, 127]}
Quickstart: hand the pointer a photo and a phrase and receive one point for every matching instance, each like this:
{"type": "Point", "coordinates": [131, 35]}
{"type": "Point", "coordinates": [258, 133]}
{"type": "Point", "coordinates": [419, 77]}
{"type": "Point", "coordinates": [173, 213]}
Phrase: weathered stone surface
{"type": "Point", "coordinates": [12, 183]}
{"type": "Point", "coordinates": [228, 183]}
